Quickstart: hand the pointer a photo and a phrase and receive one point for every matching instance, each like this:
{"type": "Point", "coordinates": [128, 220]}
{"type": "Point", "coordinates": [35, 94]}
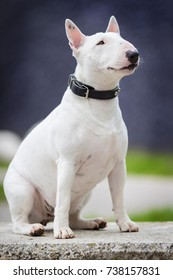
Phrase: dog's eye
{"type": "Point", "coordinates": [101, 43]}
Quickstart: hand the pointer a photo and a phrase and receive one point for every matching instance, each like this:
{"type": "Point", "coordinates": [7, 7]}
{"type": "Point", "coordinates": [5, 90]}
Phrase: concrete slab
{"type": "Point", "coordinates": [153, 241]}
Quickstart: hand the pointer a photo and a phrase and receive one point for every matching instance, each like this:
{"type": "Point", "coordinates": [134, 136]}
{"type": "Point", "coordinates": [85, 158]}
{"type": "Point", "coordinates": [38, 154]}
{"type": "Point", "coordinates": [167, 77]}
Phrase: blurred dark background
{"type": "Point", "coordinates": [36, 62]}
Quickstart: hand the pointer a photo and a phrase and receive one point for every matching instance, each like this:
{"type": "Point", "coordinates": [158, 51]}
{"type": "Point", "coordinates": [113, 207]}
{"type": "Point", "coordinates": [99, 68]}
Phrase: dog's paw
{"type": "Point", "coordinates": [36, 230]}
{"type": "Point", "coordinates": [128, 226]}
{"type": "Point", "coordinates": [63, 233]}
{"type": "Point", "coordinates": [93, 224]}
{"type": "Point", "coordinates": [101, 222]}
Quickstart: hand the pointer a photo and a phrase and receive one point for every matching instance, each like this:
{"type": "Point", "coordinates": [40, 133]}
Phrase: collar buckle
{"type": "Point", "coordinates": [87, 91]}
{"type": "Point", "coordinates": [70, 80]}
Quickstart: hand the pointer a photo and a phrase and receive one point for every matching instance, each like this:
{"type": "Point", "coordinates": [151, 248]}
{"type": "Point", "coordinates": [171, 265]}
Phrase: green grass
{"type": "Point", "coordinates": [4, 166]}
{"type": "Point", "coordinates": [155, 215]}
{"type": "Point", "coordinates": [2, 195]}
{"type": "Point", "coordinates": [145, 163]}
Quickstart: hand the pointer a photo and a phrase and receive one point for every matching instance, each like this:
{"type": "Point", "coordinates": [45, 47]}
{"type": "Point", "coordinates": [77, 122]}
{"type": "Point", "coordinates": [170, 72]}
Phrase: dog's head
{"type": "Point", "coordinates": [103, 53]}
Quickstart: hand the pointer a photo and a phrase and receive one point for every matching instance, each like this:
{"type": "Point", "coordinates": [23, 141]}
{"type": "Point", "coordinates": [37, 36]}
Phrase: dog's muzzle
{"type": "Point", "coordinates": [132, 57]}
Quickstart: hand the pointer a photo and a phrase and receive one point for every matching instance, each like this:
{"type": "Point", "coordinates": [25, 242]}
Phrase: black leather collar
{"type": "Point", "coordinates": [83, 90]}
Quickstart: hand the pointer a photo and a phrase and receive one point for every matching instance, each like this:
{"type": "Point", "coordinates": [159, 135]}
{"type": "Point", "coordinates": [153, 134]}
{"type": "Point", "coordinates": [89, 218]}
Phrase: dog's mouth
{"type": "Point", "coordinates": [130, 67]}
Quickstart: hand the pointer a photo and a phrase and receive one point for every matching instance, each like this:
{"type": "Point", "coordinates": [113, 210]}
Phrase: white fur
{"type": "Point", "coordinates": [79, 144]}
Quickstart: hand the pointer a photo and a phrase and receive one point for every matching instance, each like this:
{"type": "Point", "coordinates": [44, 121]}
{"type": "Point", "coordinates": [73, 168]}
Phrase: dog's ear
{"type": "Point", "coordinates": [113, 25]}
{"type": "Point", "coordinates": [75, 36]}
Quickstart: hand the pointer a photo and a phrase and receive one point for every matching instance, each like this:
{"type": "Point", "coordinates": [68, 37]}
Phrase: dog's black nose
{"type": "Point", "coordinates": [132, 56]}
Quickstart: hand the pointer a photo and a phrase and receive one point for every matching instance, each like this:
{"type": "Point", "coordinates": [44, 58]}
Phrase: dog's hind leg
{"type": "Point", "coordinates": [76, 222]}
{"type": "Point", "coordinates": [20, 196]}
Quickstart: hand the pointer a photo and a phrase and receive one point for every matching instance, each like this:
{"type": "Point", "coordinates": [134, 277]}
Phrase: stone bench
{"type": "Point", "coordinates": [153, 241]}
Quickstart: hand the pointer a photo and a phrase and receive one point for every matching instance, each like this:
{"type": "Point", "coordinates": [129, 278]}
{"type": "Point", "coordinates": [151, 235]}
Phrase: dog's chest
{"type": "Point", "coordinates": [98, 159]}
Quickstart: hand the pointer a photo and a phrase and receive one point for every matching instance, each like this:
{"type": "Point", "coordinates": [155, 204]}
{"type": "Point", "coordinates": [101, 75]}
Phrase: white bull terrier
{"type": "Point", "coordinates": [83, 141]}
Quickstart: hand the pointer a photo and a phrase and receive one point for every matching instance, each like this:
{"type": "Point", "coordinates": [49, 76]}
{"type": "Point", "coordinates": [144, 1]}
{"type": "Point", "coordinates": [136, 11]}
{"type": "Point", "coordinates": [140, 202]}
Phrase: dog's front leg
{"type": "Point", "coordinates": [65, 179]}
{"type": "Point", "coordinates": [117, 179]}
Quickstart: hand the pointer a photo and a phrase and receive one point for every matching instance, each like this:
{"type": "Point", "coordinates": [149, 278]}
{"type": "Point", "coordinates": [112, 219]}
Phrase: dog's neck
{"type": "Point", "coordinates": [106, 111]}
{"type": "Point", "coordinates": [94, 79]}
